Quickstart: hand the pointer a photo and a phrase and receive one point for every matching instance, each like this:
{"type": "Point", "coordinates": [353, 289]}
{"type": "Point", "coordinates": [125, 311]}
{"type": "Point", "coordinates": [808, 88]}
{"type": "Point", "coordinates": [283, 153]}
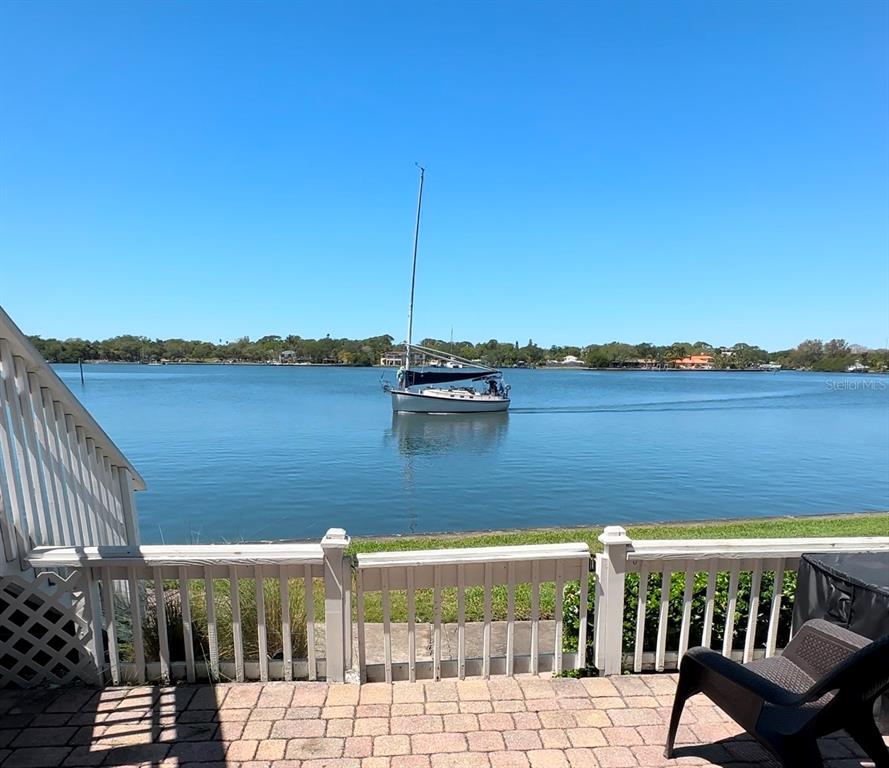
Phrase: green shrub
{"type": "Point", "coordinates": [571, 618]}
{"type": "Point", "coordinates": [698, 607]}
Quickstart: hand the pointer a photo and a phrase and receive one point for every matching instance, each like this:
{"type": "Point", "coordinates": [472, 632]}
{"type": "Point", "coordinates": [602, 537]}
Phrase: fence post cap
{"type": "Point", "coordinates": [614, 534]}
{"type": "Point", "coordinates": [335, 538]}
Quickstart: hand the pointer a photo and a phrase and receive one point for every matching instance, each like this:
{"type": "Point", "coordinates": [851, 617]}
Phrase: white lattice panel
{"type": "Point", "coordinates": [43, 636]}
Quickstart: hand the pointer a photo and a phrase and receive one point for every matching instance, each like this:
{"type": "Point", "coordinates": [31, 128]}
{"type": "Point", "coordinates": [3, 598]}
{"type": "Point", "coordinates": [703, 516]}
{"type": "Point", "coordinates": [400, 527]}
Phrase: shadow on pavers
{"type": "Point", "coordinates": [112, 726]}
{"type": "Point", "coordinates": [836, 750]}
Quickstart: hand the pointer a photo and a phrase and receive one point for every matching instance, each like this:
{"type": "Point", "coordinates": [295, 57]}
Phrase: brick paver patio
{"type": "Point", "coordinates": [526, 722]}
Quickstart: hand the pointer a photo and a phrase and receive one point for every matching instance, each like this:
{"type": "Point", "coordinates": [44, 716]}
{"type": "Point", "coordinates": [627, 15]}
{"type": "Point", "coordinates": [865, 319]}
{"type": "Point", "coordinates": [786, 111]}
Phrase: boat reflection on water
{"type": "Point", "coordinates": [436, 447]}
{"type": "Point", "coordinates": [420, 434]}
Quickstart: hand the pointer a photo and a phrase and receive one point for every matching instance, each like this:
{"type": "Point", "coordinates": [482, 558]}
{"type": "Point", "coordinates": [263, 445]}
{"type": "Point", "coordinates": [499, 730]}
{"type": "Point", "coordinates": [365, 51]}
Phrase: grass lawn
{"type": "Point", "coordinates": [874, 524]}
{"type": "Point", "coordinates": [866, 524]}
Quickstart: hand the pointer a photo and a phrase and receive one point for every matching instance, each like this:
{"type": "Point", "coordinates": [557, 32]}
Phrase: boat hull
{"type": "Point", "coordinates": [446, 401]}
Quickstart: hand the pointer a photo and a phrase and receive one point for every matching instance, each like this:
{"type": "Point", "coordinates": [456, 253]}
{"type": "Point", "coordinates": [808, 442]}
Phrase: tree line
{"type": "Point", "coordinates": [833, 355]}
{"type": "Point", "coordinates": [812, 354]}
{"type": "Point", "coordinates": [141, 349]}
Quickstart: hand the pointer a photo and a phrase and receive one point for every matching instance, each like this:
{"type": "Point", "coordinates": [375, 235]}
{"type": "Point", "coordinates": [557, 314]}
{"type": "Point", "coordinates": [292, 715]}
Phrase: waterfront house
{"type": "Point", "coordinates": [569, 361]}
{"type": "Point", "coordinates": [695, 363]}
{"type": "Point", "coordinates": [642, 363]}
{"type": "Point", "coordinates": [392, 359]}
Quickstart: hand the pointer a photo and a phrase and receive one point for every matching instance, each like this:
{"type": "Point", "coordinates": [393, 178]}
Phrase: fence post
{"type": "Point", "coordinates": [90, 611]}
{"type": "Point", "coordinates": [337, 590]}
{"type": "Point", "coordinates": [611, 567]}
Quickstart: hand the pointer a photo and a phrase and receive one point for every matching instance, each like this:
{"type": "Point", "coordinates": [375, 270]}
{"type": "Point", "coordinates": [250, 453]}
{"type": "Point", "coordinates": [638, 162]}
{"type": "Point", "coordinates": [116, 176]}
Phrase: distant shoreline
{"type": "Point", "coordinates": [382, 351]}
{"type": "Point", "coordinates": [559, 368]}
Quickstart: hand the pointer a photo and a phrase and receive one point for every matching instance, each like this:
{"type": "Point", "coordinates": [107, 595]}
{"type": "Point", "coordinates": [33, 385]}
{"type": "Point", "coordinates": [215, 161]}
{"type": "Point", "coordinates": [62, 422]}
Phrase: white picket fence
{"type": "Point", "coordinates": [715, 558]}
{"type": "Point", "coordinates": [179, 599]}
{"type": "Point", "coordinates": [64, 482]}
{"type": "Point", "coordinates": [459, 570]}
{"type": "Point", "coordinates": [255, 598]}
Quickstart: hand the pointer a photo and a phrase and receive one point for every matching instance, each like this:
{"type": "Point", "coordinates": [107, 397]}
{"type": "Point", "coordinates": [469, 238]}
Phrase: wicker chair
{"type": "Point", "coordinates": [826, 679]}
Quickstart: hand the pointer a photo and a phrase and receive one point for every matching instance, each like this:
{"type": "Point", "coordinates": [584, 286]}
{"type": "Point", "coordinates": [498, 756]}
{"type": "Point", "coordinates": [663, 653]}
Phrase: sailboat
{"type": "Point", "coordinates": [414, 392]}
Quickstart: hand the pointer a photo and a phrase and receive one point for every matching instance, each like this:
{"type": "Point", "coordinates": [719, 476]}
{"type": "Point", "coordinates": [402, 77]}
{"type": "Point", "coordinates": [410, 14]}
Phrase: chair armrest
{"type": "Point", "coordinates": [742, 677]}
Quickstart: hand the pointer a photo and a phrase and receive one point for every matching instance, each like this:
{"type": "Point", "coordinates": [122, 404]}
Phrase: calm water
{"type": "Point", "coordinates": [233, 452]}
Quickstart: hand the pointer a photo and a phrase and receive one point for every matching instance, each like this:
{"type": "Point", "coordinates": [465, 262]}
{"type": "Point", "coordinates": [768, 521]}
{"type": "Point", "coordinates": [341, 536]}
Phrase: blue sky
{"type": "Point", "coordinates": [596, 171]}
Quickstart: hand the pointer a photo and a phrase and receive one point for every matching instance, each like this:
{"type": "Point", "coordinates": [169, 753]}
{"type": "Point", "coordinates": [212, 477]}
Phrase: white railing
{"type": "Point", "coordinates": [214, 612]}
{"type": "Point", "coordinates": [62, 480]}
{"type": "Point", "coordinates": [284, 611]}
{"type": "Point", "coordinates": [752, 572]}
{"type": "Point", "coordinates": [466, 571]}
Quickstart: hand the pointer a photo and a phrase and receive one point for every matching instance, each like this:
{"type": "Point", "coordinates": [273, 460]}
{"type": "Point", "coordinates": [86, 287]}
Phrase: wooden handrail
{"type": "Point", "coordinates": [174, 555]}
{"type": "Point", "coordinates": [744, 549]}
{"type": "Point", "coordinates": [472, 555]}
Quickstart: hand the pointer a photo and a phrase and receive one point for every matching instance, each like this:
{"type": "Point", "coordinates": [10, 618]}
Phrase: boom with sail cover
{"type": "Point", "coordinates": [416, 378]}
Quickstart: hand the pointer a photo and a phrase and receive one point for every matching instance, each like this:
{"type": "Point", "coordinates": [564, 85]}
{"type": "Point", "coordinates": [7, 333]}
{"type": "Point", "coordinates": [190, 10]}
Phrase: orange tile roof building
{"type": "Point", "coordinates": [695, 363]}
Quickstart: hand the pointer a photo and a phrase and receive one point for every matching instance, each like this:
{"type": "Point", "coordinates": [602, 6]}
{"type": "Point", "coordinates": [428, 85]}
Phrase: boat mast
{"type": "Point", "coordinates": [410, 312]}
